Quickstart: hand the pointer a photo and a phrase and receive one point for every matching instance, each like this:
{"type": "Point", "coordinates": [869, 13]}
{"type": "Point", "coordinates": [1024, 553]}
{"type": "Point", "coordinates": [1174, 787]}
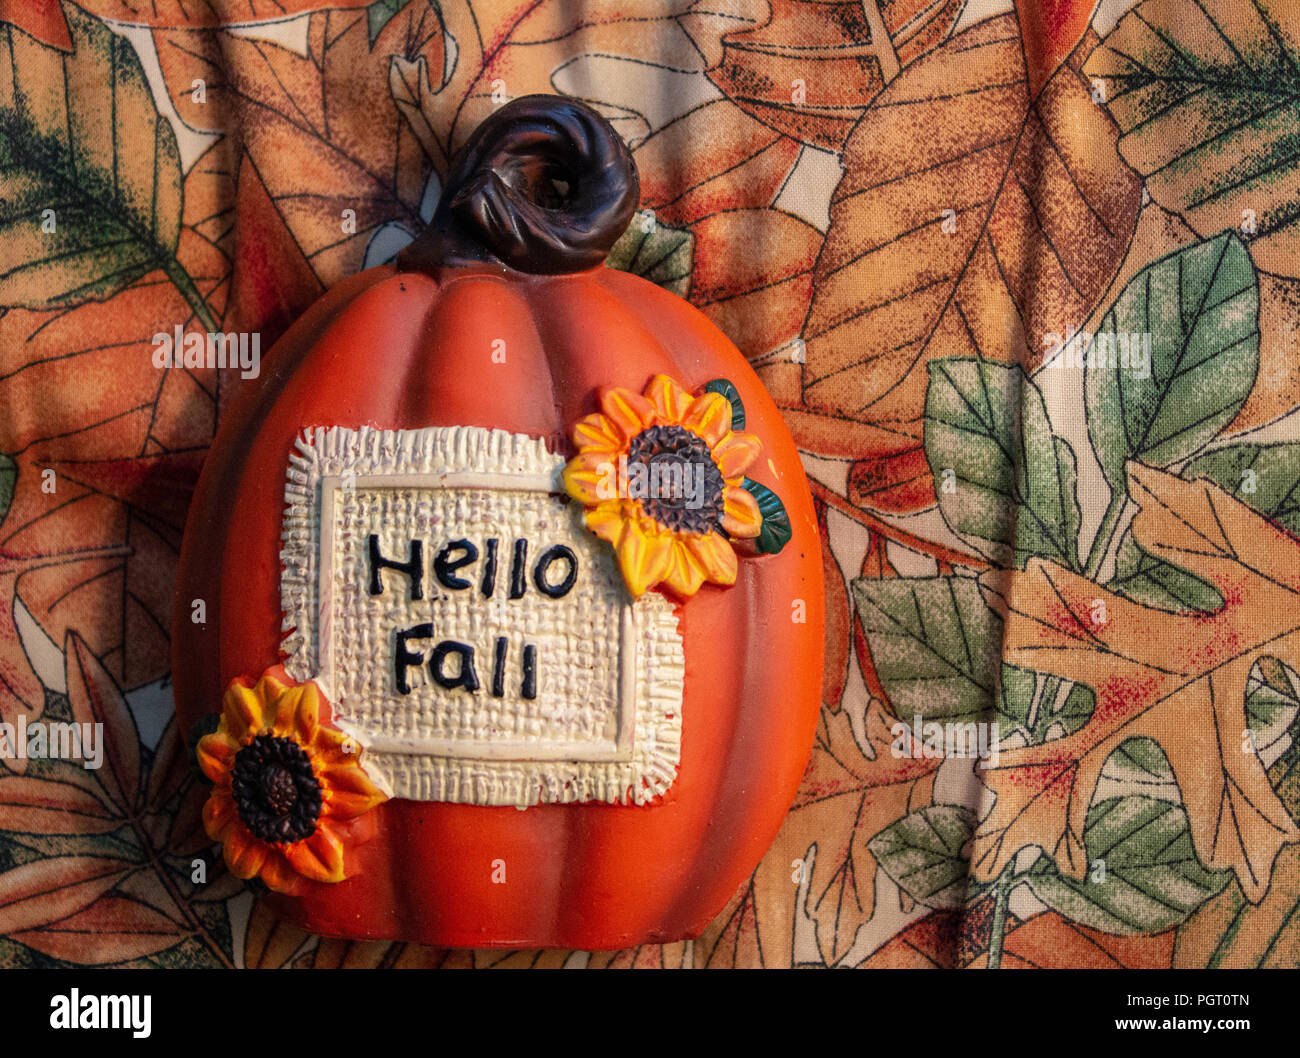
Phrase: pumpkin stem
{"type": "Point", "coordinates": [545, 185]}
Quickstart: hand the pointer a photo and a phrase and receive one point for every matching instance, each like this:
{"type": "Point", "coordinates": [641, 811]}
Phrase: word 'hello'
{"type": "Point", "coordinates": [553, 575]}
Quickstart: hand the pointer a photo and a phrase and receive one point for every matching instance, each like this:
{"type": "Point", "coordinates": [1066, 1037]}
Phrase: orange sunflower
{"type": "Point", "coordinates": [662, 476]}
{"type": "Point", "coordinates": [283, 782]}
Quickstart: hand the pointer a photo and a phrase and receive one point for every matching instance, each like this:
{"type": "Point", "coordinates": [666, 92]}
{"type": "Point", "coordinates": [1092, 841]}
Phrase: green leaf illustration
{"type": "Point", "coordinates": [379, 14]}
{"type": "Point", "coordinates": [934, 642]}
{"type": "Point", "coordinates": [1207, 99]}
{"type": "Point", "coordinates": [728, 389]}
{"type": "Point", "coordinates": [776, 531]}
{"type": "Point", "coordinates": [1013, 492]}
{"type": "Point", "coordinates": [1040, 708]}
{"type": "Point", "coordinates": [936, 647]}
{"type": "Point", "coordinates": [8, 479]}
{"type": "Point", "coordinates": [657, 252]}
{"type": "Point", "coordinates": [1272, 707]}
{"type": "Point", "coordinates": [90, 177]}
{"type": "Point", "coordinates": [1200, 307]}
{"type": "Point", "coordinates": [1266, 477]}
{"type": "Point", "coordinates": [1143, 873]}
{"type": "Point", "coordinates": [923, 853]}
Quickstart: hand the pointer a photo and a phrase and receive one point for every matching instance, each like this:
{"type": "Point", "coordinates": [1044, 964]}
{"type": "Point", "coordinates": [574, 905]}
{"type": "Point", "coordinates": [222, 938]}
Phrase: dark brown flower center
{"type": "Point", "coordinates": [680, 486]}
{"type": "Point", "coordinates": [275, 789]}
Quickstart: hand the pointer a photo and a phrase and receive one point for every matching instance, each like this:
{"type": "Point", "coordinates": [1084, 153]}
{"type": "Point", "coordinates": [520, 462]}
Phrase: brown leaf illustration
{"type": "Point", "coordinates": [1051, 942]}
{"type": "Point", "coordinates": [112, 929]}
{"type": "Point", "coordinates": [731, 939]}
{"type": "Point", "coordinates": [47, 890]}
{"type": "Point", "coordinates": [47, 806]}
{"type": "Point", "coordinates": [1179, 679]}
{"type": "Point", "coordinates": [79, 386]}
{"type": "Point", "coordinates": [845, 799]}
{"type": "Point", "coordinates": [269, 943]}
{"type": "Point", "coordinates": [971, 220]}
{"type": "Point", "coordinates": [320, 127]}
{"type": "Point", "coordinates": [753, 275]}
{"type": "Point", "coordinates": [812, 68]}
{"type": "Point", "coordinates": [96, 699]}
{"type": "Point", "coordinates": [839, 618]}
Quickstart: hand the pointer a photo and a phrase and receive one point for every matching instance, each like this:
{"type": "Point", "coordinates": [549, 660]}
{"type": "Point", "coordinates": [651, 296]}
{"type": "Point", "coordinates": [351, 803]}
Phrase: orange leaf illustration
{"type": "Point", "coordinates": [846, 799]}
{"type": "Point", "coordinates": [972, 220]}
{"type": "Point", "coordinates": [47, 890]}
{"type": "Point", "coordinates": [811, 69]}
{"type": "Point", "coordinates": [112, 929]}
{"type": "Point", "coordinates": [1179, 679]}
{"type": "Point", "coordinates": [47, 806]}
{"type": "Point", "coordinates": [96, 699]}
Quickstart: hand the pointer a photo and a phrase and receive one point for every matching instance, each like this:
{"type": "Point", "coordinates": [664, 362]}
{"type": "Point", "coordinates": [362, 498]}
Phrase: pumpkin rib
{"type": "Point", "coordinates": [202, 666]}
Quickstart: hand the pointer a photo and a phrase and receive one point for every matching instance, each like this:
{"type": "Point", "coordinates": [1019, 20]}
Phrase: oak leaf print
{"type": "Point", "coordinates": [1178, 679]}
{"type": "Point", "coordinates": [972, 221]}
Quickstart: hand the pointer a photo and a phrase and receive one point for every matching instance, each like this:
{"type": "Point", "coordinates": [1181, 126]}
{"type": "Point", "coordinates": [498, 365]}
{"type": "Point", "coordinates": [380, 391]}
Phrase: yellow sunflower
{"type": "Point", "coordinates": [662, 476]}
{"type": "Point", "coordinates": [283, 782]}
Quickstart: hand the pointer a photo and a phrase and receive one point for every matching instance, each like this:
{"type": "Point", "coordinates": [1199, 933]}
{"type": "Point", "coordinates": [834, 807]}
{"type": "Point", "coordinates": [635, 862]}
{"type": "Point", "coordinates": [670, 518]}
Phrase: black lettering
{"type": "Point", "coordinates": [490, 569]}
{"type": "Point", "coordinates": [404, 658]}
{"type": "Point", "coordinates": [466, 677]}
{"type": "Point", "coordinates": [413, 567]}
{"type": "Point", "coordinates": [518, 585]}
{"type": "Point", "coordinates": [529, 689]}
{"type": "Point", "coordinates": [499, 669]}
{"type": "Point", "coordinates": [444, 567]}
{"type": "Point", "coordinates": [550, 555]}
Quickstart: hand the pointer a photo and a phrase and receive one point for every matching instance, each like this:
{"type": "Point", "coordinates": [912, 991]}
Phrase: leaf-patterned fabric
{"type": "Point", "coordinates": [1023, 277]}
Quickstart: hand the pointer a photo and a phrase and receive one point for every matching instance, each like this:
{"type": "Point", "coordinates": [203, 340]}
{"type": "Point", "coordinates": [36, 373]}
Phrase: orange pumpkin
{"type": "Point", "coordinates": [512, 264]}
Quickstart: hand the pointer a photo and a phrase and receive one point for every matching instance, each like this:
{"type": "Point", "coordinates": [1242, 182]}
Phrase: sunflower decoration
{"type": "Point", "coordinates": [284, 781]}
{"type": "Point", "coordinates": [662, 475]}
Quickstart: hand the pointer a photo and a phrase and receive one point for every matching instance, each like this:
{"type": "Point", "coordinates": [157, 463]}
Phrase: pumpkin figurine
{"type": "Point", "coordinates": [499, 620]}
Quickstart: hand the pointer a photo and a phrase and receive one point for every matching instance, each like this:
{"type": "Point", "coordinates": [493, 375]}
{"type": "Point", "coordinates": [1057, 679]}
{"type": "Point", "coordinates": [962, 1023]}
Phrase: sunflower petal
{"type": "Point", "coordinates": [596, 432]}
{"type": "Point", "coordinates": [684, 575]}
{"type": "Point", "coordinates": [283, 710]}
{"type": "Point", "coordinates": [244, 853]}
{"type": "Point", "coordinates": [716, 556]}
{"type": "Point", "coordinates": [734, 453]}
{"type": "Point", "coordinates": [306, 720]}
{"type": "Point", "coordinates": [277, 872]}
{"type": "Point", "coordinates": [592, 477]}
{"type": "Point", "coordinates": [606, 521]}
{"type": "Point", "coordinates": [319, 857]}
{"type": "Point", "coordinates": [350, 790]}
{"type": "Point", "coordinates": [670, 400]}
{"type": "Point", "coordinates": [643, 557]}
{"type": "Point", "coordinates": [709, 416]}
{"type": "Point", "coordinates": [741, 517]}
{"type": "Point", "coordinates": [243, 712]}
{"type": "Point", "coordinates": [216, 756]}
{"type": "Point", "coordinates": [219, 814]}
{"type": "Point", "coordinates": [629, 412]}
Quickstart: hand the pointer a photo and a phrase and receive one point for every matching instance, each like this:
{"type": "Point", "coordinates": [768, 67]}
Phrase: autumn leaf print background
{"type": "Point", "coordinates": [897, 209]}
